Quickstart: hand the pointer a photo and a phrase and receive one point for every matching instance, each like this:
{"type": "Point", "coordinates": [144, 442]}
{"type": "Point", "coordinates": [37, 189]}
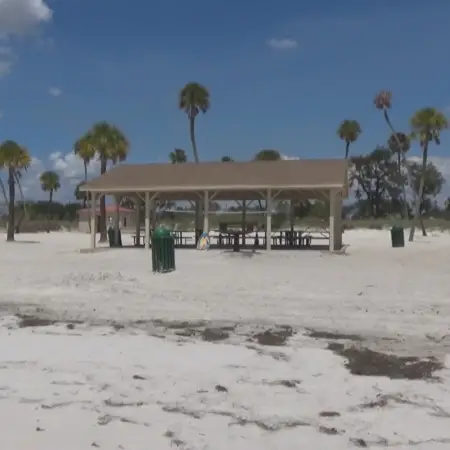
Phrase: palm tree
{"type": "Point", "coordinates": [193, 99]}
{"type": "Point", "coordinates": [349, 131]}
{"type": "Point", "coordinates": [383, 102]}
{"type": "Point", "coordinates": [86, 152]}
{"type": "Point", "coordinates": [13, 158]}
{"type": "Point", "coordinates": [400, 151]}
{"type": "Point", "coordinates": [108, 144]}
{"type": "Point", "coordinates": [427, 125]}
{"type": "Point", "coordinates": [178, 156]}
{"type": "Point", "coordinates": [227, 159]}
{"type": "Point", "coordinates": [49, 183]}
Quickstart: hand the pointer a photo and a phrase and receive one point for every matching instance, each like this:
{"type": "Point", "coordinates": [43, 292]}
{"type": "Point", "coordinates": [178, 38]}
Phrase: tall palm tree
{"type": "Point", "coordinates": [427, 125]}
{"type": "Point", "coordinates": [86, 152]}
{"type": "Point", "coordinates": [13, 158]}
{"type": "Point", "coordinates": [49, 183]}
{"type": "Point", "coordinates": [349, 131]}
{"type": "Point", "coordinates": [383, 102]}
{"type": "Point", "coordinates": [194, 98]}
{"type": "Point", "coordinates": [108, 144]}
{"type": "Point", "coordinates": [400, 151]}
{"type": "Point", "coordinates": [178, 156]}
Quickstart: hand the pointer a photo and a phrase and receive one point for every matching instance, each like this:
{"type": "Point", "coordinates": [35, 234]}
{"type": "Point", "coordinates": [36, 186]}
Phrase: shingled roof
{"type": "Point", "coordinates": [307, 174]}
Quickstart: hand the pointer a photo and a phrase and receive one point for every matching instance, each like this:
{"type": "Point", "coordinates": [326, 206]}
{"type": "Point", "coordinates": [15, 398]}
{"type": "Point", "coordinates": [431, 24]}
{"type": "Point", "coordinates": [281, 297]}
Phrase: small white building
{"type": "Point", "coordinates": [127, 218]}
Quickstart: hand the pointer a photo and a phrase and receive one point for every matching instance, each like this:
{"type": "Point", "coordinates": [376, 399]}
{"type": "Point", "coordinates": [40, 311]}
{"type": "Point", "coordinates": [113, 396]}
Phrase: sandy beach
{"type": "Point", "coordinates": [243, 351]}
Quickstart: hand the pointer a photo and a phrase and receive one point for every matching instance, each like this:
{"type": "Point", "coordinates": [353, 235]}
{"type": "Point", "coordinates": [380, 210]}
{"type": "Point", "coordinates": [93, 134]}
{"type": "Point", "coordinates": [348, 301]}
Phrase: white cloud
{"type": "Point", "coordinates": [71, 166]}
{"type": "Point", "coordinates": [441, 162]}
{"type": "Point", "coordinates": [20, 17]}
{"type": "Point", "coordinates": [70, 169]}
{"type": "Point", "coordinates": [55, 92]}
{"type": "Point", "coordinates": [282, 44]}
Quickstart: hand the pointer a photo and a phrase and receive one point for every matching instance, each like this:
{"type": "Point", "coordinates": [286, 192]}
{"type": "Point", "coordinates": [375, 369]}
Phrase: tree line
{"type": "Point", "coordinates": [381, 179]}
{"type": "Point", "coordinates": [384, 177]}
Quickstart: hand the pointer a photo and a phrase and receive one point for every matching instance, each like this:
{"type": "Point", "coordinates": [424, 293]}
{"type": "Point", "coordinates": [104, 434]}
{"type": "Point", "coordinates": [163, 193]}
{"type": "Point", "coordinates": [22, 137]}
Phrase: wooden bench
{"type": "Point", "coordinates": [141, 239]}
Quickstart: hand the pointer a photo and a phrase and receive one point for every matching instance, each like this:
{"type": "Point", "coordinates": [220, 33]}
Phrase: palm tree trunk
{"type": "Point", "coordinates": [420, 194]}
{"type": "Point", "coordinates": [198, 203]}
{"type": "Point", "coordinates": [12, 187]}
{"type": "Point", "coordinates": [192, 135]}
{"type": "Point", "coordinates": [85, 198]}
{"type": "Point", "coordinates": [402, 156]}
{"type": "Point", "coordinates": [102, 221]}
{"type": "Point", "coordinates": [347, 149]}
{"type": "Point", "coordinates": [49, 208]}
{"type": "Point", "coordinates": [24, 214]}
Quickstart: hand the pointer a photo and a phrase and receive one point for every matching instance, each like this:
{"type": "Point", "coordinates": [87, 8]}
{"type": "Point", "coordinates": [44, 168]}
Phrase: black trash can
{"type": "Point", "coordinates": [112, 238]}
{"type": "Point", "coordinates": [397, 236]}
{"type": "Point", "coordinates": [236, 242]}
{"type": "Point", "coordinates": [163, 251]}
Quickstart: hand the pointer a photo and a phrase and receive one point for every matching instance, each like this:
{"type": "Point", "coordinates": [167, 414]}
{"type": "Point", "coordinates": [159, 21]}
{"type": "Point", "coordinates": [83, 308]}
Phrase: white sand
{"type": "Point", "coordinates": [68, 383]}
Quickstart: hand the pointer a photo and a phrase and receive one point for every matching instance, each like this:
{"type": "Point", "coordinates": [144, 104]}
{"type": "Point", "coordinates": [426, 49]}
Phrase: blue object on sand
{"type": "Point", "coordinates": [203, 243]}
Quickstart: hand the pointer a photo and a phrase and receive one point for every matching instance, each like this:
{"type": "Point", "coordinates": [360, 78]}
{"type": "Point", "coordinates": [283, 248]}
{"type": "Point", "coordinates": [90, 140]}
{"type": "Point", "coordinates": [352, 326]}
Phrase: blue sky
{"type": "Point", "coordinates": [281, 74]}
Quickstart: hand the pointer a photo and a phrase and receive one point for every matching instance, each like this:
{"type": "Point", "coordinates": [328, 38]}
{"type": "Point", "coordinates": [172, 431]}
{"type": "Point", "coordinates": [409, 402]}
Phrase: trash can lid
{"type": "Point", "coordinates": [161, 232]}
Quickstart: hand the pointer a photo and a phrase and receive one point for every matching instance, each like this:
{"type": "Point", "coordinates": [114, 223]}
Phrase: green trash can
{"type": "Point", "coordinates": [397, 236]}
{"type": "Point", "coordinates": [111, 238]}
{"type": "Point", "coordinates": [163, 250]}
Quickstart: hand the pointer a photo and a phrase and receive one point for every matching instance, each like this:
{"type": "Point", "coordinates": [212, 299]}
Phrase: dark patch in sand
{"type": "Point", "coordinates": [328, 430]}
{"type": "Point", "coordinates": [286, 383]}
{"type": "Point", "coordinates": [173, 324]}
{"type": "Point", "coordinates": [278, 356]}
{"type": "Point", "coordinates": [32, 321]}
{"type": "Point", "coordinates": [121, 404]}
{"type": "Point", "coordinates": [26, 320]}
{"type": "Point", "coordinates": [271, 426]}
{"type": "Point", "coordinates": [316, 334]}
{"type": "Point", "coordinates": [274, 337]}
{"type": "Point", "coordinates": [106, 419]}
{"type": "Point", "coordinates": [362, 361]}
{"type": "Point", "coordinates": [188, 332]}
{"type": "Point", "coordinates": [220, 388]}
{"type": "Point", "coordinates": [138, 377]}
{"type": "Point", "coordinates": [215, 334]}
{"type": "Point", "coordinates": [358, 443]}
{"type": "Point", "coordinates": [174, 441]}
{"type": "Point", "coordinates": [329, 414]}
{"type": "Point", "coordinates": [236, 419]}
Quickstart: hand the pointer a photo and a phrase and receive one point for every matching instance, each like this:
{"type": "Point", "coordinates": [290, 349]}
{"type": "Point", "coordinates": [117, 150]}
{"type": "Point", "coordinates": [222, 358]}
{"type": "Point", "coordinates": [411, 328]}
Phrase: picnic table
{"type": "Point", "coordinates": [177, 235]}
{"type": "Point", "coordinates": [141, 239]}
{"type": "Point", "coordinates": [180, 239]}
